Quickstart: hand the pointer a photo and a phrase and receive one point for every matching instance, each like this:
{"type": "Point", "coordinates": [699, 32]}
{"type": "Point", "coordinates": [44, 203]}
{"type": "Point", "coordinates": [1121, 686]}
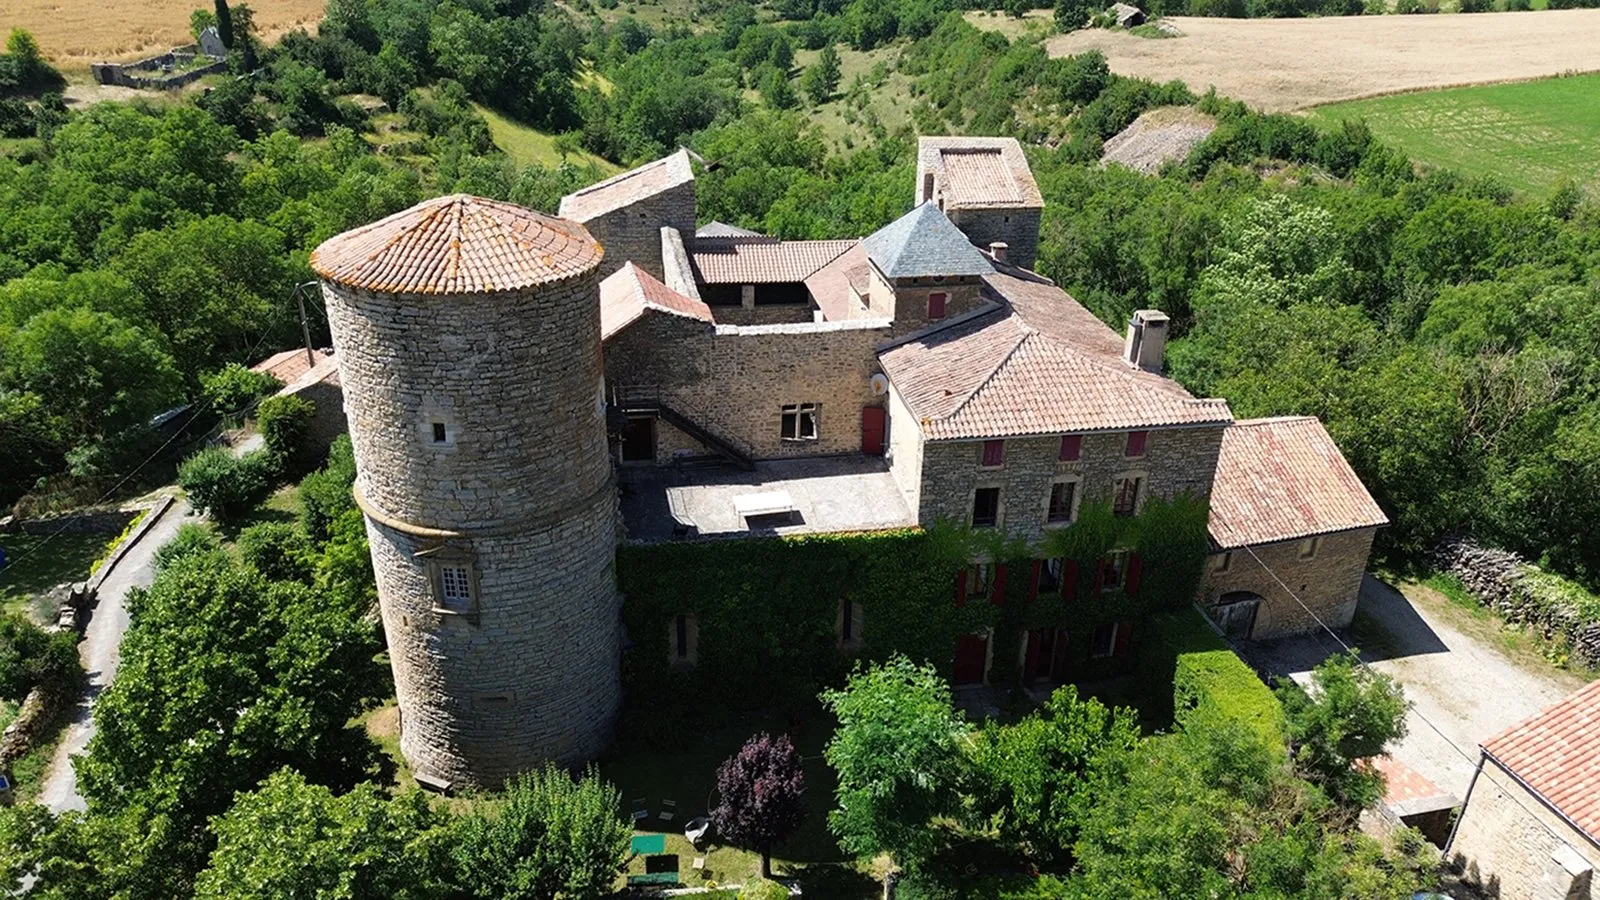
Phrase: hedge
{"type": "Point", "coordinates": [1182, 650]}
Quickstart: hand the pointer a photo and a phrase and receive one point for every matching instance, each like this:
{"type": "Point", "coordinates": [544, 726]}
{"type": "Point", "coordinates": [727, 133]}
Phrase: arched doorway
{"type": "Point", "coordinates": [1235, 613]}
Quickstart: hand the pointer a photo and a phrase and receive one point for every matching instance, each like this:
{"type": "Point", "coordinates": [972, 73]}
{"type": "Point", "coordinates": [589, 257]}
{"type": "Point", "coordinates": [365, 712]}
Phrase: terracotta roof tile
{"type": "Point", "coordinates": [1282, 479]}
{"type": "Point", "coordinates": [1557, 755]}
{"type": "Point", "coordinates": [457, 245]}
{"type": "Point", "coordinates": [761, 260]}
{"type": "Point", "coordinates": [290, 364]}
{"type": "Point", "coordinates": [999, 375]}
{"type": "Point", "coordinates": [629, 292]}
{"type": "Point", "coordinates": [628, 188]}
{"type": "Point", "coordinates": [835, 286]}
{"type": "Point", "coordinates": [977, 172]}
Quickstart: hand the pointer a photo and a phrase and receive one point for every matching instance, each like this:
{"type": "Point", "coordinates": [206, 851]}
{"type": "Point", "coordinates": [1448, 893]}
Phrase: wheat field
{"type": "Point", "coordinates": [74, 33]}
{"type": "Point", "coordinates": [1286, 64]}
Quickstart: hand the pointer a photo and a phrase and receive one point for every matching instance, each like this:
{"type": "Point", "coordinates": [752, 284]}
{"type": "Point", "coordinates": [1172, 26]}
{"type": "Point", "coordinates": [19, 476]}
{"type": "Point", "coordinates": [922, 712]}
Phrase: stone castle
{"type": "Point", "coordinates": [508, 376]}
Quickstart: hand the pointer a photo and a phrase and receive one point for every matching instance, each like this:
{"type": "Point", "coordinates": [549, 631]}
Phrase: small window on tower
{"type": "Point", "coordinates": [455, 588]}
{"type": "Point", "coordinates": [440, 433]}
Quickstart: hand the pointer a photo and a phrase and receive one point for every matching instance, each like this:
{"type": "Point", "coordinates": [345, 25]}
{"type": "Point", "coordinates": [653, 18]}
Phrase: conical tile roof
{"type": "Point", "coordinates": [457, 244]}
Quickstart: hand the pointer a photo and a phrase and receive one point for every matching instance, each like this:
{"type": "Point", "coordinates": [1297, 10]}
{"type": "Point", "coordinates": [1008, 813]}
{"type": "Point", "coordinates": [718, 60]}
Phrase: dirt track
{"type": "Point", "coordinates": [1283, 64]}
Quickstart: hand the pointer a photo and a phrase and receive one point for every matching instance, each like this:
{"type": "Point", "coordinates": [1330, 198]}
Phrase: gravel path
{"type": "Point", "coordinates": [1465, 687]}
{"type": "Point", "coordinates": [100, 652]}
{"type": "Point", "coordinates": [1284, 64]}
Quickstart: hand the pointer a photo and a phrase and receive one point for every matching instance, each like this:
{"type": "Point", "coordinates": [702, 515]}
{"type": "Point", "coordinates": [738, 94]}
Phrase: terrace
{"type": "Point", "coordinates": [780, 497]}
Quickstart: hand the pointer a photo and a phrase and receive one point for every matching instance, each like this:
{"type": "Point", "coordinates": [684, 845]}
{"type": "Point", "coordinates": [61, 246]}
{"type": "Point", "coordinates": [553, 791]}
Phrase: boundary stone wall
{"type": "Point", "coordinates": [1520, 592]}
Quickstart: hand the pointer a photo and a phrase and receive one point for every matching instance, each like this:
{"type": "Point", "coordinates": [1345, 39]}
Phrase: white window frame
{"type": "Point", "coordinates": [980, 580]}
{"type": "Point", "coordinates": [446, 589]}
{"type": "Point", "coordinates": [1077, 498]}
{"type": "Point", "coordinates": [801, 412]}
{"type": "Point", "coordinates": [1308, 547]}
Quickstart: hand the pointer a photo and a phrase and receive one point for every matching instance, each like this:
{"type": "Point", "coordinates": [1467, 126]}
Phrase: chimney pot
{"type": "Point", "coordinates": [997, 249]}
{"type": "Point", "coordinates": [1146, 346]}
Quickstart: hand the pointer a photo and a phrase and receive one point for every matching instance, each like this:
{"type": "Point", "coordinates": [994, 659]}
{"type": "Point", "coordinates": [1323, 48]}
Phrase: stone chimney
{"type": "Point", "coordinates": [997, 249]}
{"type": "Point", "coordinates": [1146, 347]}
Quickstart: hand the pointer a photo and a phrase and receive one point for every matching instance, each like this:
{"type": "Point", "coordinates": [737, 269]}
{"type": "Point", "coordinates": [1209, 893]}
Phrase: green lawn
{"type": "Point", "coordinates": [528, 146]}
{"type": "Point", "coordinates": [69, 557]}
{"type": "Point", "coordinates": [1528, 134]}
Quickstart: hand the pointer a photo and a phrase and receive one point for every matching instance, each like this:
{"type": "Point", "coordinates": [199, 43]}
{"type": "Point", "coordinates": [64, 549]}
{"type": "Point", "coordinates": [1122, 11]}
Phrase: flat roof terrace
{"type": "Point", "coordinates": [781, 497]}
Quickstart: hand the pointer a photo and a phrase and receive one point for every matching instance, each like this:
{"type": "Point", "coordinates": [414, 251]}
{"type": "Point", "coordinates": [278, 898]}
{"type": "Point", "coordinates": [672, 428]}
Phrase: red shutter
{"type": "Point", "coordinates": [1130, 584]}
{"type": "Point", "coordinates": [961, 588]}
{"type": "Point", "coordinates": [994, 453]}
{"type": "Point", "coordinates": [997, 590]}
{"type": "Point", "coordinates": [1119, 646]}
{"type": "Point", "coordinates": [1136, 442]}
{"type": "Point", "coordinates": [1033, 581]}
{"type": "Point", "coordinates": [1069, 580]}
{"type": "Point", "coordinates": [1071, 447]}
{"type": "Point", "coordinates": [936, 305]}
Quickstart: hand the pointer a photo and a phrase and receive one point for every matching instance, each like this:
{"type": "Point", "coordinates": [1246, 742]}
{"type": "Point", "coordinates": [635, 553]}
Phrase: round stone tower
{"type": "Point", "coordinates": [468, 338]}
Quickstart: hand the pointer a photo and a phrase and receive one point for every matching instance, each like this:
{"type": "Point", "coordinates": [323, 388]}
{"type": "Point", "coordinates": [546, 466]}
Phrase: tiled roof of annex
{"type": "Point", "coordinates": [1556, 754]}
{"type": "Point", "coordinates": [836, 286]}
{"type": "Point", "coordinates": [1283, 479]}
{"type": "Point", "coordinates": [288, 365]}
{"type": "Point", "coordinates": [1037, 364]}
{"type": "Point", "coordinates": [629, 292]}
{"type": "Point", "coordinates": [457, 244]}
{"type": "Point", "coordinates": [628, 188]}
{"type": "Point", "coordinates": [761, 260]}
{"type": "Point", "coordinates": [978, 172]}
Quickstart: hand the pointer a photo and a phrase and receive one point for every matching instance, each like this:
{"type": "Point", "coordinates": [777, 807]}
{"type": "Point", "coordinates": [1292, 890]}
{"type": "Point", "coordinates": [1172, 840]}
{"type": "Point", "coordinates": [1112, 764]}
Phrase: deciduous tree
{"type": "Point", "coordinates": [762, 790]}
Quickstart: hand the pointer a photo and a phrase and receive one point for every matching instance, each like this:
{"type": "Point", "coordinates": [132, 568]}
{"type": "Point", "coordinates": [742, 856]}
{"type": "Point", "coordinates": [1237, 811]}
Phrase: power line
{"type": "Point", "coordinates": [1351, 652]}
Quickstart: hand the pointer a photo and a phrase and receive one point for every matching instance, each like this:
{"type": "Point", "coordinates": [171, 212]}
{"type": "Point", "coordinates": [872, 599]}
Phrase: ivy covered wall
{"type": "Point", "coordinates": [766, 610]}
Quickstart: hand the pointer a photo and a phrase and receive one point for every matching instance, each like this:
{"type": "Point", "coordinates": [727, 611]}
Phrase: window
{"type": "Point", "coordinates": [1052, 575]}
{"type": "Point", "coordinates": [1062, 497]}
{"type": "Point", "coordinates": [440, 434]}
{"type": "Point", "coordinates": [849, 624]}
{"type": "Point", "coordinates": [800, 422]}
{"type": "Point", "coordinates": [1125, 502]}
{"type": "Point", "coordinates": [1104, 641]}
{"type": "Point", "coordinates": [1224, 562]}
{"type": "Point", "coordinates": [1308, 548]}
{"type": "Point", "coordinates": [994, 454]}
{"type": "Point", "coordinates": [937, 302]}
{"type": "Point", "coordinates": [985, 507]}
{"type": "Point", "coordinates": [455, 588]}
{"type": "Point", "coordinates": [1136, 440]}
{"type": "Point", "coordinates": [1113, 571]}
{"type": "Point", "coordinates": [683, 637]}
{"type": "Point", "coordinates": [1071, 447]}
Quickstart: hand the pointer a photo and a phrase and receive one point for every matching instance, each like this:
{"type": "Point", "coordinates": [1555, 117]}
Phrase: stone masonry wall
{"type": "Point", "coordinates": [1019, 228]}
{"type": "Point", "coordinates": [1329, 583]}
{"type": "Point", "coordinates": [735, 380]}
{"type": "Point", "coordinates": [1509, 847]}
{"type": "Point", "coordinates": [633, 232]}
{"type": "Point", "coordinates": [1505, 582]}
{"type": "Point", "coordinates": [1175, 461]}
{"type": "Point", "coordinates": [768, 314]}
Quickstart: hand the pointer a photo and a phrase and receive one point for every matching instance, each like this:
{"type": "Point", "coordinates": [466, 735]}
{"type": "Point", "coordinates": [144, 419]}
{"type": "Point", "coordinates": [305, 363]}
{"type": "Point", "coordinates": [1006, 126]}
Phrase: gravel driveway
{"type": "Point", "coordinates": [1465, 687]}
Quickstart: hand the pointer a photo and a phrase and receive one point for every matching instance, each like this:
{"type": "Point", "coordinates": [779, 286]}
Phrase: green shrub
{"type": "Point", "coordinates": [762, 889]}
{"type": "Point", "coordinates": [325, 494]}
{"type": "Point", "coordinates": [233, 388]}
{"type": "Point", "coordinates": [224, 485]}
{"type": "Point", "coordinates": [31, 657]}
{"type": "Point", "coordinates": [285, 423]}
{"type": "Point", "coordinates": [1182, 661]}
{"type": "Point", "coordinates": [192, 538]}
{"type": "Point", "coordinates": [278, 550]}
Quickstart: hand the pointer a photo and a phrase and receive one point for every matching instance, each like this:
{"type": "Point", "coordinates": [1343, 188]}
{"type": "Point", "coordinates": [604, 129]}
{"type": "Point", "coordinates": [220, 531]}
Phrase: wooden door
{"type": "Point", "coordinates": [873, 426]}
{"type": "Point", "coordinates": [639, 439]}
{"type": "Point", "coordinates": [972, 652]}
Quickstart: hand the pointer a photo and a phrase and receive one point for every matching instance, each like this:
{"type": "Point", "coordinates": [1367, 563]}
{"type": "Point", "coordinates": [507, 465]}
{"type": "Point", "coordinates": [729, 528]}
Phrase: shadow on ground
{"type": "Point", "coordinates": [1385, 627]}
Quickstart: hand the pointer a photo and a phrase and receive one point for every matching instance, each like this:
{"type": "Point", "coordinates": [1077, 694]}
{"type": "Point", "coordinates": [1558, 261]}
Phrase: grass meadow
{"type": "Point", "coordinates": [1528, 134]}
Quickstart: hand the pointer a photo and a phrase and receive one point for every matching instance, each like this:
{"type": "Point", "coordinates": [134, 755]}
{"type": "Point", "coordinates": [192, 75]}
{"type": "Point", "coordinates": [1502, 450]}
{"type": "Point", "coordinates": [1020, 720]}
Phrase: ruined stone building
{"type": "Point", "coordinates": [507, 372]}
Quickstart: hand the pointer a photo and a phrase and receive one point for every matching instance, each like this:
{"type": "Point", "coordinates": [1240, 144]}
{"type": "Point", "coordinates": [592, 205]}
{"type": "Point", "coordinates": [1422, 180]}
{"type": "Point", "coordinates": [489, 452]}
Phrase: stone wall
{"type": "Point", "coordinates": [327, 399]}
{"type": "Point", "coordinates": [1018, 228]}
{"type": "Point", "coordinates": [519, 493]}
{"type": "Point", "coordinates": [1504, 842]}
{"type": "Point", "coordinates": [907, 299]}
{"type": "Point", "coordinates": [1519, 592]}
{"type": "Point", "coordinates": [633, 232]}
{"type": "Point", "coordinates": [735, 380]}
{"type": "Point", "coordinates": [764, 314]}
{"type": "Point", "coordinates": [1176, 461]}
{"type": "Point", "coordinates": [1329, 583]}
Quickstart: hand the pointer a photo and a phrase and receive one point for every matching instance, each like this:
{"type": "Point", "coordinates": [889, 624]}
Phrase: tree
{"type": "Point", "coordinates": [1351, 715]}
{"type": "Point", "coordinates": [285, 421]}
{"type": "Point", "coordinates": [233, 388]}
{"type": "Point", "coordinates": [224, 485]}
{"type": "Point", "coordinates": [290, 839]}
{"type": "Point", "coordinates": [897, 755]}
{"type": "Point", "coordinates": [224, 17]}
{"type": "Point", "coordinates": [200, 20]}
{"type": "Point", "coordinates": [31, 657]}
{"type": "Point", "coordinates": [822, 77]}
{"type": "Point", "coordinates": [549, 836]}
{"type": "Point", "coordinates": [776, 89]}
{"type": "Point", "coordinates": [1073, 14]}
{"type": "Point", "coordinates": [762, 787]}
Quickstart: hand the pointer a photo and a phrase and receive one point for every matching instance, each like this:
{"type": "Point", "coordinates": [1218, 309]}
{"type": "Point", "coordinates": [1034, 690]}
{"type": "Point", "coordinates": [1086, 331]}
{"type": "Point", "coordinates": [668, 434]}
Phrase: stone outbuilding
{"type": "Point", "coordinates": [314, 376]}
{"type": "Point", "coordinates": [1289, 519]}
{"type": "Point", "coordinates": [1530, 827]}
{"type": "Point", "coordinates": [1127, 15]}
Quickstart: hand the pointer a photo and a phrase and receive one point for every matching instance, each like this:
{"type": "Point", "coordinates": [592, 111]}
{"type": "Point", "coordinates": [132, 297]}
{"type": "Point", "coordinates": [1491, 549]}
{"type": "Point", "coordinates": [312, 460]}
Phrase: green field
{"type": "Point", "coordinates": [1528, 134]}
{"type": "Point", "coordinates": [528, 146]}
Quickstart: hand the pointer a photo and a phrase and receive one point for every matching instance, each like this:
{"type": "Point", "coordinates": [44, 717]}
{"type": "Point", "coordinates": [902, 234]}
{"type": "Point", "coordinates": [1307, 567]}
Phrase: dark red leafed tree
{"type": "Point", "coordinates": [762, 789]}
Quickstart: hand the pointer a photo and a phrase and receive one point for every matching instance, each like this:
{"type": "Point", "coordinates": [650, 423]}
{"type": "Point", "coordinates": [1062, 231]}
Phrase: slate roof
{"type": "Point", "coordinates": [925, 242]}
{"type": "Point", "coordinates": [1005, 373]}
{"type": "Point", "coordinates": [761, 260]}
{"type": "Point", "coordinates": [979, 172]}
{"type": "Point", "coordinates": [290, 364]}
{"type": "Point", "coordinates": [628, 188]}
{"type": "Point", "coordinates": [1282, 479]}
{"type": "Point", "coordinates": [1556, 754]}
{"type": "Point", "coordinates": [629, 292]}
{"type": "Point", "coordinates": [455, 245]}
